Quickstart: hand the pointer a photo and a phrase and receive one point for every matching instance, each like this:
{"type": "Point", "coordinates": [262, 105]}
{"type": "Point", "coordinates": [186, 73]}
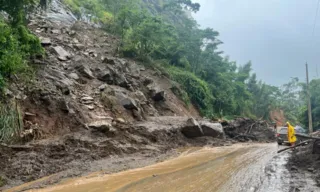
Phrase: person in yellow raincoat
{"type": "Point", "coordinates": [291, 134]}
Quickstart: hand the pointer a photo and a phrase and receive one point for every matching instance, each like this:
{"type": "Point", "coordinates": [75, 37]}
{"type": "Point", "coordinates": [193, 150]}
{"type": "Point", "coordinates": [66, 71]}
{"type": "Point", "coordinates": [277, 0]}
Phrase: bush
{"type": "Point", "coordinates": [16, 45]}
{"type": "Point", "coordinates": [197, 89]}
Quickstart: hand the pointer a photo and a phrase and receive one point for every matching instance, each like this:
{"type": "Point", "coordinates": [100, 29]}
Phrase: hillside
{"type": "Point", "coordinates": [124, 89]}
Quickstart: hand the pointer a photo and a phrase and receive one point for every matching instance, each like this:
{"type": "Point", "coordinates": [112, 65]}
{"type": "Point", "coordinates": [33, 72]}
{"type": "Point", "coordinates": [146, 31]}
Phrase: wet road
{"type": "Point", "coordinates": [237, 168]}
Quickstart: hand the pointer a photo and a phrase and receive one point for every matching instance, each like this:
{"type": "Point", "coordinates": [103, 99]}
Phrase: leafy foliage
{"type": "Point", "coordinates": [16, 45]}
{"type": "Point", "coordinates": [197, 89]}
{"type": "Point", "coordinates": [163, 30]}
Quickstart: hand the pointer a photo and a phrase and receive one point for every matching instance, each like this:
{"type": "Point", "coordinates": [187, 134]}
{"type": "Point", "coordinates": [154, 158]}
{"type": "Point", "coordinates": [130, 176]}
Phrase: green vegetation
{"type": "Point", "coordinates": [17, 44]}
{"type": "Point", "coordinates": [198, 90]}
{"type": "Point", "coordinates": [161, 30]}
{"type": "Point", "coordinates": [3, 182]}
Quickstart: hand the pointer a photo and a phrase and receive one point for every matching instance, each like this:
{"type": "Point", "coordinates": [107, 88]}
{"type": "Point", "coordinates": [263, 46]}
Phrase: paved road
{"type": "Point", "coordinates": [237, 168]}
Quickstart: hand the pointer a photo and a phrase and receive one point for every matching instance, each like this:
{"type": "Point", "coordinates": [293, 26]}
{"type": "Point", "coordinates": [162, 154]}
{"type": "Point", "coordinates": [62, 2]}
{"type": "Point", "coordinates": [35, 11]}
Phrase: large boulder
{"type": "Point", "coordinates": [192, 129]}
{"type": "Point", "coordinates": [212, 129]}
{"type": "Point", "coordinates": [109, 60]}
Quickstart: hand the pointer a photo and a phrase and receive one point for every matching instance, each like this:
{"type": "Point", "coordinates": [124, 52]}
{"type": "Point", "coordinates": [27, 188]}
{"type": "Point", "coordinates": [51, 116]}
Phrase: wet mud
{"type": "Point", "coordinates": [245, 167]}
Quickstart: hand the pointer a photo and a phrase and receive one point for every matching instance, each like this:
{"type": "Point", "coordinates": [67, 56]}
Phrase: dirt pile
{"type": "Point", "coordinates": [75, 154]}
{"type": "Point", "coordinates": [245, 129]}
{"type": "Point", "coordinates": [306, 160]}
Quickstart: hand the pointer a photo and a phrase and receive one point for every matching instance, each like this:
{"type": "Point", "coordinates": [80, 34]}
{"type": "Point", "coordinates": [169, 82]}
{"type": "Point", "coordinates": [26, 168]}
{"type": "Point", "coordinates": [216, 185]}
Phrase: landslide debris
{"type": "Point", "coordinates": [305, 160]}
{"type": "Point", "coordinates": [246, 129]}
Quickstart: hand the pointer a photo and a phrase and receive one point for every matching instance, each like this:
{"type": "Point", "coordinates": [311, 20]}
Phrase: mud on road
{"type": "Point", "coordinates": [237, 168]}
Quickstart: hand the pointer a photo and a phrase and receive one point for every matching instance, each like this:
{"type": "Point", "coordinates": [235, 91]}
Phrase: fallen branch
{"type": "Point", "coordinates": [300, 144]}
{"type": "Point", "coordinates": [249, 130]}
{"type": "Point", "coordinates": [16, 147]}
{"type": "Point", "coordinates": [244, 135]}
{"type": "Point", "coordinates": [307, 137]}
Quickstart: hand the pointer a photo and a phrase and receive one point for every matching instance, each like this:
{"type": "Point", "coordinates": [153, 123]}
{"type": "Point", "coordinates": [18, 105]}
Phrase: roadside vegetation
{"type": "Point", "coordinates": [17, 46]}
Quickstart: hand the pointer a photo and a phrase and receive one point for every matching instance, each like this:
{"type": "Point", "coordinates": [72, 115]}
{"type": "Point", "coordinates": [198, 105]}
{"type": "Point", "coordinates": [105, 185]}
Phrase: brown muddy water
{"type": "Point", "coordinates": [237, 168]}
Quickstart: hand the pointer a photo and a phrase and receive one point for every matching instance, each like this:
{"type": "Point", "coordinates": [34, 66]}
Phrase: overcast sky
{"type": "Point", "coordinates": [274, 34]}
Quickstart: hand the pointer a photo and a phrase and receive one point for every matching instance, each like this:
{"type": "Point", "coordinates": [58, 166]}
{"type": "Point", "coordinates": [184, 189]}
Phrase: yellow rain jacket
{"type": "Point", "coordinates": [291, 133]}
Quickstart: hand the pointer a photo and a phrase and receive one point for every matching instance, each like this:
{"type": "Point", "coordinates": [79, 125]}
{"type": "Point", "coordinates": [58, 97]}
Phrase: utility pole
{"type": "Point", "coordinates": [309, 101]}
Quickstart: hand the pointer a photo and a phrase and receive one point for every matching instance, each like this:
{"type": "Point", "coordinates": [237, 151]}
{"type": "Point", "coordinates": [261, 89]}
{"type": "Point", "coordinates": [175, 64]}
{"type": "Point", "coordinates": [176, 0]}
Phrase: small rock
{"type": "Point", "coordinates": [87, 100]}
{"type": "Point", "coordinates": [73, 76]}
{"type": "Point", "coordinates": [159, 96]}
{"type": "Point", "coordinates": [79, 46]}
{"type": "Point", "coordinates": [103, 87]}
{"type": "Point", "coordinates": [8, 93]}
{"type": "Point", "coordinates": [63, 105]}
{"type": "Point", "coordinates": [120, 120]}
{"type": "Point", "coordinates": [62, 54]}
{"type": "Point", "coordinates": [72, 33]}
{"type": "Point", "coordinates": [147, 81]}
{"type": "Point", "coordinates": [75, 40]}
{"type": "Point", "coordinates": [311, 169]}
{"type": "Point", "coordinates": [121, 80]}
{"type": "Point", "coordinates": [90, 107]}
{"type": "Point", "coordinates": [102, 126]}
{"type": "Point", "coordinates": [56, 31]}
{"type": "Point", "coordinates": [137, 114]}
{"type": "Point", "coordinates": [65, 90]}
{"type": "Point", "coordinates": [29, 114]}
{"type": "Point", "coordinates": [129, 103]}
{"type": "Point", "coordinates": [141, 96]}
{"type": "Point", "coordinates": [294, 168]}
{"type": "Point", "coordinates": [109, 60]}
{"type": "Point", "coordinates": [105, 76]}
{"type": "Point", "coordinates": [65, 66]}
{"type": "Point", "coordinates": [45, 41]}
{"type": "Point", "coordinates": [38, 62]}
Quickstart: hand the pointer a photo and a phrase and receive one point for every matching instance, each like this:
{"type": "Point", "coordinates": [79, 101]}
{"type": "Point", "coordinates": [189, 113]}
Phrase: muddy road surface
{"type": "Point", "coordinates": [237, 168]}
